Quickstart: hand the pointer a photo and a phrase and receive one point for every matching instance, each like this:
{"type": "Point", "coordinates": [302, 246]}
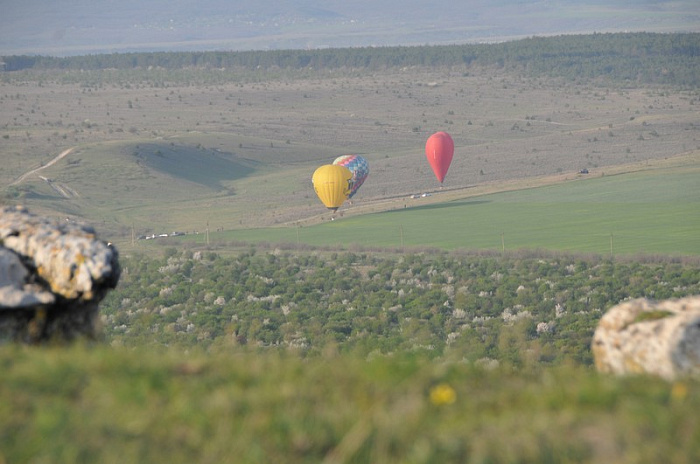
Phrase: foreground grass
{"type": "Point", "coordinates": [115, 405]}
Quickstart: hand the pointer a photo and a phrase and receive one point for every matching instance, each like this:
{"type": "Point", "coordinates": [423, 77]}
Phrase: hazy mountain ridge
{"type": "Point", "coordinates": [72, 28]}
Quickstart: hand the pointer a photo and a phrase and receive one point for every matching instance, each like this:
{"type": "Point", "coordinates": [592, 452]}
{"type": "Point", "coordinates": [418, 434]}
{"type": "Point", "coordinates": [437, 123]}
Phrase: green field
{"type": "Point", "coordinates": [137, 159]}
{"type": "Point", "coordinates": [644, 212]}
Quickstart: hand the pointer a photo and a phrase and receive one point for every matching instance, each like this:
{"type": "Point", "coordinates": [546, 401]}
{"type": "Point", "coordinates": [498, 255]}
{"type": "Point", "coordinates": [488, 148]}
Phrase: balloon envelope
{"type": "Point", "coordinates": [439, 150]}
{"type": "Point", "coordinates": [332, 185]}
{"type": "Point", "coordinates": [358, 166]}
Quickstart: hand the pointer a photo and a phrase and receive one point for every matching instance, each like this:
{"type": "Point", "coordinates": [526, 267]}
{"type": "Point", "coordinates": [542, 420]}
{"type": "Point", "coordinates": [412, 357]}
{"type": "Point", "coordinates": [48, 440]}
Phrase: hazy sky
{"type": "Point", "coordinates": [74, 27]}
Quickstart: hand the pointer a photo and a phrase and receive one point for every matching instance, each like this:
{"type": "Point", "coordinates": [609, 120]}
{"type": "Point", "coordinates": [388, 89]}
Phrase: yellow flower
{"type": "Point", "coordinates": [442, 394]}
{"type": "Point", "coordinates": [679, 391]}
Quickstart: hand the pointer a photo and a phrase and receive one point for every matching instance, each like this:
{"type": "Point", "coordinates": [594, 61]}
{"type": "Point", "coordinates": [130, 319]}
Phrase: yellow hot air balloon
{"type": "Point", "coordinates": [332, 184]}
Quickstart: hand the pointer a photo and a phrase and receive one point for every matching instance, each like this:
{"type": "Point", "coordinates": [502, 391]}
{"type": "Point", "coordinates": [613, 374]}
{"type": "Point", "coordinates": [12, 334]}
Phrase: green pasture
{"type": "Point", "coordinates": [645, 212]}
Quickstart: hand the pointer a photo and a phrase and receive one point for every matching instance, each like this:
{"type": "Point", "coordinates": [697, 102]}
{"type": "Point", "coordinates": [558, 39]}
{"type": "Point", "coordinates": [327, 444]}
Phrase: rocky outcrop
{"type": "Point", "coordinates": [644, 336]}
{"type": "Point", "coordinates": [53, 274]}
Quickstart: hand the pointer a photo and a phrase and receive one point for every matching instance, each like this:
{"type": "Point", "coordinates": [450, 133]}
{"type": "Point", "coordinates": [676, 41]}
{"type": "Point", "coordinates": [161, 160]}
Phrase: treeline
{"type": "Point", "coordinates": [629, 57]}
{"type": "Point", "coordinates": [478, 309]}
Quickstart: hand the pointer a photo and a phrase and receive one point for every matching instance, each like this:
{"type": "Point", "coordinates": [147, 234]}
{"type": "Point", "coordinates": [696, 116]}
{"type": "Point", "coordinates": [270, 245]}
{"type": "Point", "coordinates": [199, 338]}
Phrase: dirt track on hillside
{"type": "Point", "coordinates": [58, 158]}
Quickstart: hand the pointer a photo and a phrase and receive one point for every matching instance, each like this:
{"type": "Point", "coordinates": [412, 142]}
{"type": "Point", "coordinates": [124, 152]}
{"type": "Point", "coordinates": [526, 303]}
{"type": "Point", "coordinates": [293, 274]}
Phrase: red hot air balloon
{"type": "Point", "coordinates": [439, 150]}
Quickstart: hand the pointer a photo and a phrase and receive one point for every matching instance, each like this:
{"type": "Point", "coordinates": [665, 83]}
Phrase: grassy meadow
{"type": "Point", "coordinates": [653, 211]}
{"type": "Point", "coordinates": [107, 405]}
{"type": "Point", "coordinates": [154, 153]}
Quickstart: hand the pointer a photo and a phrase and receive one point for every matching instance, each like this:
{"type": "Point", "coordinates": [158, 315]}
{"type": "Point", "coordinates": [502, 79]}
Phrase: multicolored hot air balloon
{"type": "Point", "coordinates": [332, 185]}
{"type": "Point", "coordinates": [439, 150]}
{"type": "Point", "coordinates": [359, 168]}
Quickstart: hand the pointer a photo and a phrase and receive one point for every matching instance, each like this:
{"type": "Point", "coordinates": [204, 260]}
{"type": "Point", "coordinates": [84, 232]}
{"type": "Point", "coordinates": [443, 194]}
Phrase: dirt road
{"type": "Point", "coordinates": [58, 158]}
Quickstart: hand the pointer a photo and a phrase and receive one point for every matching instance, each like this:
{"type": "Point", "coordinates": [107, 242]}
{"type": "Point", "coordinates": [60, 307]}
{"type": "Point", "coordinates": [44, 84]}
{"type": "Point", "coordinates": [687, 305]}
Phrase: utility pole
{"type": "Point", "coordinates": [611, 245]}
{"type": "Point", "coordinates": [503, 243]}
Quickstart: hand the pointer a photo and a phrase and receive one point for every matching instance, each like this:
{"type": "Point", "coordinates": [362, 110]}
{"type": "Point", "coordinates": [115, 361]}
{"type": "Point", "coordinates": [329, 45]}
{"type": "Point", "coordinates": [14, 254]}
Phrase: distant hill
{"type": "Point", "coordinates": [180, 141]}
{"type": "Point", "coordinates": [63, 28]}
{"type": "Point", "coordinates": [640, 57]}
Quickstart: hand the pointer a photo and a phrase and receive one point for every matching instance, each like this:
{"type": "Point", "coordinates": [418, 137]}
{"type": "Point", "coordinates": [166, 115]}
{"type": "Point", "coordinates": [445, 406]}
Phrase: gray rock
{"type": "Point", "coordinates": [15, 292]}
{"type": "Point", "coordinates": [644, 336]}
{"type": "Point", "coordinates": [53, 274]}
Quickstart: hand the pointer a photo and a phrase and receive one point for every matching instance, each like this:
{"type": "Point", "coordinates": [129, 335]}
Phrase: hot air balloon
{"type": "Point", "coordinates": [359, 168]}
{"type": "Point", "coordinates": [332, 185]}
{"type": "Point", "coordinates": [439, 150]}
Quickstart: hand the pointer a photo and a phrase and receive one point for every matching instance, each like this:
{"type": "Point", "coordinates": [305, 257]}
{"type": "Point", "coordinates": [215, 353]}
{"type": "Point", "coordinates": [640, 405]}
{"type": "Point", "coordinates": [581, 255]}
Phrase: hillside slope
{"type": "Point", "coordinates": [145, 150]}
